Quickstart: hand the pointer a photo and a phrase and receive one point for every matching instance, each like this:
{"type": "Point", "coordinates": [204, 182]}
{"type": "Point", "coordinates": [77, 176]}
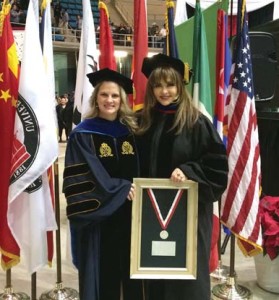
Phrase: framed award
{"type": "Point", "coordinates": [164, 229]}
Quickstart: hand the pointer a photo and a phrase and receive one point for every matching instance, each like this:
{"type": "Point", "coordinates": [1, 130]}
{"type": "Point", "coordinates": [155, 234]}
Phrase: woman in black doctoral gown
{"type": "Point", "coordinates": [176, 141]}
{"type": "Point", "coordinates": [100, 162]}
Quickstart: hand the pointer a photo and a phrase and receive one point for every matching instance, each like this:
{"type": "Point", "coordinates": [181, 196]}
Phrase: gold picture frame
{"type": "Point", "coordinates": [164, 229]}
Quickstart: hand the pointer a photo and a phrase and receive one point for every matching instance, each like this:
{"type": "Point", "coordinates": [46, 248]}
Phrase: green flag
{"type": "Point", "coordinates": [201, 72]}
{"type": "Point", "coordinates": [184, 36]}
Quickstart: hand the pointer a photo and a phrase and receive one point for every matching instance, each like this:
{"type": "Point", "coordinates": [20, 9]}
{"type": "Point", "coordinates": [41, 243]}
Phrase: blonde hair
{"type": "Point", "coordinates": [186, 114]}
{"type": "Point", "coordinates": [125, 113]}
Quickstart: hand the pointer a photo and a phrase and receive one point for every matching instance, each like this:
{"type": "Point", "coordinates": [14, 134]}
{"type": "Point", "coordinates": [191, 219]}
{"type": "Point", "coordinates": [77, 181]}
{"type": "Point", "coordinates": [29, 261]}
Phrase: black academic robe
{"type": "Point", "coordinates": [100, 163]}
{"type": "Point", "coordinates": [201, 155]}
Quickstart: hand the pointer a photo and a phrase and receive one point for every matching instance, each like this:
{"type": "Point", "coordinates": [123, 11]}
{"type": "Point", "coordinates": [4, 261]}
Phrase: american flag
{"type": "Point", "coordinates": [240, 202]}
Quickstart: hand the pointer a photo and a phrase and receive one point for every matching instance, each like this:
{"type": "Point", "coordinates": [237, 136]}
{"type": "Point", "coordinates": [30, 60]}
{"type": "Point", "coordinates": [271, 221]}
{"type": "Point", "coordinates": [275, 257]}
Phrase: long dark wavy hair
{"type": "Point", "coordinates": [186, 114]}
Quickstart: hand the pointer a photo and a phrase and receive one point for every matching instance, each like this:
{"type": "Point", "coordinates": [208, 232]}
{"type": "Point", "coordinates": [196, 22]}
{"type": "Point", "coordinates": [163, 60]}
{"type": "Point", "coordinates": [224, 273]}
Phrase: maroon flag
{"type": "Point", "coordinates": [223, 66]}
{"type": "Point", "coordinates": [140, 52]}
{"type": "Point", "coordinates": [106, 58]}
{"type": "Point", "coordinates": [9, 80]}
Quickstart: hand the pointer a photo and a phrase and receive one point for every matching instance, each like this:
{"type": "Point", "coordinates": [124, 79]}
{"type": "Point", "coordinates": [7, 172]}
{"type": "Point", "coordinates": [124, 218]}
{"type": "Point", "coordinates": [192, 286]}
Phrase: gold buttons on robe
{"type": "Point", "coordinates": [127, 148]}
{"type": "Point", "coordinates": [105, 150]}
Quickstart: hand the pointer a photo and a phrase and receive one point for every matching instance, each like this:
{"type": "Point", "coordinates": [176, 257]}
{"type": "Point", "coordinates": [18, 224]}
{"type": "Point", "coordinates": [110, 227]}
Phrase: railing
{"type": "Point", "coordinates": [123, 40]}
{"type": "Point", "coordinates": [71, 35]}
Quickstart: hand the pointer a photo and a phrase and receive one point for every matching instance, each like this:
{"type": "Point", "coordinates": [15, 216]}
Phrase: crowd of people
{"type": "Point", "coordinates": [122, 33]}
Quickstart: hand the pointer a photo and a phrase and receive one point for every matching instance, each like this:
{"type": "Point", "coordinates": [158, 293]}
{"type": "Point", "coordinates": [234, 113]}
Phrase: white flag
{"type": "Point", "coordinates": [35, 148]}
{"type": "Point", "coordinates": [180, 12]}
{"type": "Point", "coordinates": [47, 48]}
{"type": "Point", "coordinates": [87, 63]}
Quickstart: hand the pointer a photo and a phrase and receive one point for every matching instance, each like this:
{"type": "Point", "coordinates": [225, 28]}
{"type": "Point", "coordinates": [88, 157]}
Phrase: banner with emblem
{"type": "Point", "coordinates": [35, 148]}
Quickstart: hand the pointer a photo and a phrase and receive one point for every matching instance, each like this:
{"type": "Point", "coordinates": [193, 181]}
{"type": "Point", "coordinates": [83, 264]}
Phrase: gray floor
{"type": "Point", "coordinates": [47, 277]}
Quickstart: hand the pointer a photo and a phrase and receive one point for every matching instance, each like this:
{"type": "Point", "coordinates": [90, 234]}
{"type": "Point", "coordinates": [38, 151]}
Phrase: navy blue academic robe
{"type": "Point", "coordinates": [100, 163]}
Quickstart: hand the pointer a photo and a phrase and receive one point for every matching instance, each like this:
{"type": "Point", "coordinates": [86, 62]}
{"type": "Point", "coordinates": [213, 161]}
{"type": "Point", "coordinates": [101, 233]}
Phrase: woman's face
{"type": "Point", "coordinates": [63, 101]}
{"type": "Point", "coordinates": [165, 92]}
{"type": "Point", "coordinates": [108, 100]}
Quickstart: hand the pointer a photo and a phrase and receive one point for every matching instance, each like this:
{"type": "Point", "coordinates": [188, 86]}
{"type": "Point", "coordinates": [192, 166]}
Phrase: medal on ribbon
{"type": "Point", "coordinates": [164, 222]}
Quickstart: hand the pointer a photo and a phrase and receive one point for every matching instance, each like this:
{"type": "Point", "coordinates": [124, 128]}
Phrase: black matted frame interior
{"type": "Point", "coordinates": [164, 229]}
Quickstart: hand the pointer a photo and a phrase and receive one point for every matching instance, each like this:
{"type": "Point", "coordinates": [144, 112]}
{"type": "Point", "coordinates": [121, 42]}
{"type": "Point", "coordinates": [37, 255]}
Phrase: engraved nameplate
{"type": "Point", "coordinates": [163, 248]}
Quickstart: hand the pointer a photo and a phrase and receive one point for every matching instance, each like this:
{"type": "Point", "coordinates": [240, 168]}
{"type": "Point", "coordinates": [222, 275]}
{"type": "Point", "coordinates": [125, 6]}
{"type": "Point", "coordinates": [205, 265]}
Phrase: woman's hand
{"type": "Point", "coordinates": [178, 176]}
{"type": "Point", "coordinates": [132, 192]}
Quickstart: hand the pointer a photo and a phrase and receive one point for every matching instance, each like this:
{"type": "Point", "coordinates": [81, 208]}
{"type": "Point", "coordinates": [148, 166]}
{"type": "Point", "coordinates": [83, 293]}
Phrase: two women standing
{"type": "Point", "coordinates": [173, 140]}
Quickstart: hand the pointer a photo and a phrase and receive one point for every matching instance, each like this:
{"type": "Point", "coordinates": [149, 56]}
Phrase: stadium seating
{"type": "Point", "coordinates": [74, 8]}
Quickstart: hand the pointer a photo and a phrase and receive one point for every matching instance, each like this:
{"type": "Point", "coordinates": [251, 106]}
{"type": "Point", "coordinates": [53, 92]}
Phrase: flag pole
{"type": "Point", "coordinates": [34, 286]}
{"type": "Point", "coordinates": [230, 290]}
{"type": "Point", "coordinates": [223, 60]}
{"type": "Point", "coordinates": [221, 273]}
{"type": "Point", "coordinates": [8, 291]}
{"type": "Point", "coordinates": [59, 292]}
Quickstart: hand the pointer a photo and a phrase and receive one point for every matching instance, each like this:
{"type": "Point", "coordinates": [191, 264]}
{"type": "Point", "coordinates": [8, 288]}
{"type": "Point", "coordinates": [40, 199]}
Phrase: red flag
{"type": "Point", "coordinates": [223, 69]}
{"type": "Point", "coordinates": [35, 133]}
{"type": "Point", "coordinates": [9, 80]}
{"type": "Point", "coordinates": [50, 246]}
{"type": "Point", "coordinates": [240, 201]}
{"type": "Point", "coordinates": [140, 52]}
{"type": "Point", "coordinates": [106, 58]}
{"type": "Point", "coordinates": [223, 66]}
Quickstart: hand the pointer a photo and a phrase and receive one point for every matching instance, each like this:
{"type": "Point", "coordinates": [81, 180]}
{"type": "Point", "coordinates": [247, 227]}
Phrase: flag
{"type": "Point", "coordinates": [240, 201]}
{"type": "Point", "coordinates": [223, 69]}
{"type": "Point", "coordinates": [50, 245]}
{"type": "Point", "coordinates": [9, 79]}
{"type": "Point", "coordinates": [202, 98]}
{"type": "Point", "coordinates": [87, 63]}
{"type": "Point", "coordinates": [35, 148]}
{"type": "Point", "coordinates": [47, 47]}
{"type": "Point", "coordinates": [180, 12]}
{"type": "Point", "coordinates": [223, 66]}
{"type": "Point", "coordinates": [106, 58]}
{"type": "Point", "coordinates": [184, 37]}
{"type": "Point", "coordinates": [170, 47]}
{"type": "Point", "coordinates": [201, 72]}
{"type": "Point", "coordinates": [47, 50]}
{"type": "Point", "coordinates": [140, 52]}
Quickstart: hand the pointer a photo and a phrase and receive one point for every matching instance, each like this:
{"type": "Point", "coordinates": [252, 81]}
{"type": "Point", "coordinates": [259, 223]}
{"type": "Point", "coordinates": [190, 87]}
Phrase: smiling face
{"type": "Point", "coordinates": [165, 92]}
{"type": "Point", "coordinates": [108, 100]}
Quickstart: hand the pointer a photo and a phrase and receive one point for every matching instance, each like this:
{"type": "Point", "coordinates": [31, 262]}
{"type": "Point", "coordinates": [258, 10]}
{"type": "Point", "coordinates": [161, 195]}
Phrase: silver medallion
{"type": "Point", "coordinates": [164, 234]}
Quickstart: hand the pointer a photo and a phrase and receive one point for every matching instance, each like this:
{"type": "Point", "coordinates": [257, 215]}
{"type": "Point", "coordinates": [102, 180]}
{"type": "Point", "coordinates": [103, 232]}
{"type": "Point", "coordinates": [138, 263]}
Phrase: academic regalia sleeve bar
{"type": "Point", "coordinates": [91, 193]}
{"type": "Point", "coordinates": [211, 169]}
